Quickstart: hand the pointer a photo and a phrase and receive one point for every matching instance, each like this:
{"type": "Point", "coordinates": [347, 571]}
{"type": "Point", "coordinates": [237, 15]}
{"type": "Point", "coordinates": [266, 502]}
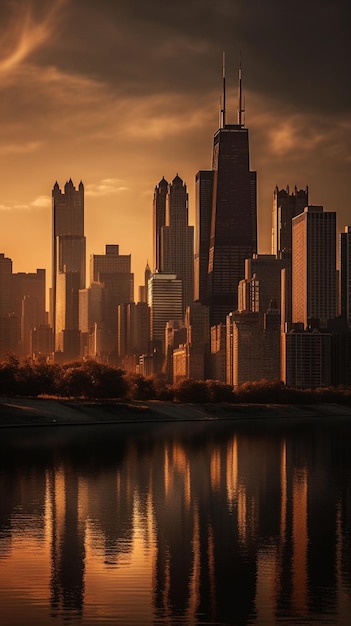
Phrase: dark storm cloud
{"type": "Point", "coordinates": [297, 53]}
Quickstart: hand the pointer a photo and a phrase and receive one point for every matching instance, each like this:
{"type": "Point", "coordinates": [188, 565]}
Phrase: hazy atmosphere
{"type": "Point", "coordinates": [120, 93]}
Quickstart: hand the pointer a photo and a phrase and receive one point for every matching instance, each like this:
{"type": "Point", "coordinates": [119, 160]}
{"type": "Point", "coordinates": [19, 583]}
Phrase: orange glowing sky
{"type": "Point", "coordinates": [119, 94]}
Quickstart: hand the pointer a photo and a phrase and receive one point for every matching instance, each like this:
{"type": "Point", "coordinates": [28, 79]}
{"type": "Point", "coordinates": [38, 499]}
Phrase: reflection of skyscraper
{"type": "Point", "coordinates": [177, 239]}
{"type": "Point", "coordinates": [233, 224]}
{"type": "Point", "coordinates": [68, 240]}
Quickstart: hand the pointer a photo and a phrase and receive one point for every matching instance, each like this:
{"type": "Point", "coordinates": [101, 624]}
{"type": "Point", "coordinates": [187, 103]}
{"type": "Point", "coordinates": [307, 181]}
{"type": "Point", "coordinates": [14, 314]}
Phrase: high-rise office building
{"type": "Point", "coordinates": [233, 235]}
{"type": "Point", "coordinates": [68, 249]}
{"type": "Point", "coordinates": [159, 220]}
{"type": "Point", "coordinates": [143, 288]}
{"type": "Point", "coordinates": [67, 315]}
{"type": "Point", "coordinates": [28, 304]}
{"type": "Point", "coordinates": [133, 331]}
{"type": "Point", "coordinates": [165, 302]}
{"type": "Point", "coordinates": [314, 275]}
{"type": "Point", "coordinates": [262, 282]}
{"type": "Point", "coordinates": [177, 239]}
{"type": "Point", "coordinates": [345, 273]}
{"type": "Point", "coordinates": [203, 211]}
{"type": "Point", "coordinates": [286, 205]}
{"type": "Point", "coordinates": [5, 284]}
{"type": "Point", "coordinates": [113, 271]}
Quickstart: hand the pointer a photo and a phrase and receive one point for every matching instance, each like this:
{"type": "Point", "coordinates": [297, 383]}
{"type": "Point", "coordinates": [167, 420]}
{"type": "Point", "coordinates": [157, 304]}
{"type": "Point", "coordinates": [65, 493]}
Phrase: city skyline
{"type": "Point", "coordinates": [143, 104]}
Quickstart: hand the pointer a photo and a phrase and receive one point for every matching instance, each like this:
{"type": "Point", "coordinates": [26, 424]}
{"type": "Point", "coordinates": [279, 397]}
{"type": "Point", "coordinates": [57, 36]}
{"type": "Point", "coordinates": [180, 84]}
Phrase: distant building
{"type": "Point", "coordinates": [67, 334]}
{"type": "Point", "coordinates": [218, 353]}
{"type": "Point", "coordinates": [306, 358]}
{"type": "Point", "coordinates": [143, 288]}
{"type": "Point", "coordinates": [165, 301]}
{"type": "Point", "coordinates": [69, 254]}
{"type": "Point", "coordinates": [42, 341]}
{"type": "Point", "coordinates": [286, 205]}
{"type": "Point", "coordinates": [28, 304]}
{"type": "Point", "coordinates": [133, 332]}
{"type": "Point", "coordinates": [314, 276]}
{"type": "Point", "coordinates": [203, 212]}
{"type": "Point", "coordinates": [113, 271]}
{"type": "Point", "coordinates": [177, 240]}
{"type": "Point", "coordinates": [345, 274]}
{"type": "Point", "coordinates": [159, 220]}
{"type": "Point", "coordinates": [5, 285]}
{"type": "Point", "coordinates": [252, 349]}
{"type": "Point", "coordinates": [263, 275]}
{"type": "Point", "coordinates": [233, 235]}
{"type": "Point", "coordinates": [9, 334]}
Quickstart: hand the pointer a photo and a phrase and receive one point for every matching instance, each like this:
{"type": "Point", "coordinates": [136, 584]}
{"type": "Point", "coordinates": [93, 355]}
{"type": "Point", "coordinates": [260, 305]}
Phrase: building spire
{"type": "Point", "coordinates": [241, 110]}
{"type": "Point", "coordinates": [223, 111]}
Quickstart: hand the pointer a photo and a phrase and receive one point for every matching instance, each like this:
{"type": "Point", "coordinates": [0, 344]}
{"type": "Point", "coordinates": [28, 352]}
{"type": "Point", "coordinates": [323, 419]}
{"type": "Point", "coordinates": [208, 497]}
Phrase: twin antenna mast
{"type": "Point", "coordinates": [241, 109]}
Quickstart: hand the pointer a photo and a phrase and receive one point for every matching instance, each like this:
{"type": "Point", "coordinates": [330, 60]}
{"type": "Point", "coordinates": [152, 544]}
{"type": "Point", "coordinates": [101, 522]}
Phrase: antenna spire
{"type": "Point", "coordinates": [241, 110]}
{"type": "Point", "coordinates": [223, 111]}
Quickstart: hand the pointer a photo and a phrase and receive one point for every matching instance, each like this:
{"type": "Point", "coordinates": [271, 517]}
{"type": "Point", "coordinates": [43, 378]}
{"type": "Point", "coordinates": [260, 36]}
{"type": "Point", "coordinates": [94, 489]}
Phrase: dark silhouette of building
{"type": "Point", "coordinates": [286, 205]}
{"type": "Point", "coordinates": [203, 211]}
{"type": "Point", "coordinates": [68, 249]}
{"type": "Point", "coordinates": [177, 239]}
{"type": "Point", "coordinates": [233, 235]}
{"type": "Point", "coordinates": [159, 220]}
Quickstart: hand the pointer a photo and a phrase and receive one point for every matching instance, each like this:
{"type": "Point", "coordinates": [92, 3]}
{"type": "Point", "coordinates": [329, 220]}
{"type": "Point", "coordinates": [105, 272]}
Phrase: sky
{"type": "Point", "coordinates": [119, 93]}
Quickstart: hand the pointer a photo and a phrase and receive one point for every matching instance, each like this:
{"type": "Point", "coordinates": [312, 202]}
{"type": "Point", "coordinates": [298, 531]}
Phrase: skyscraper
{"type": "Point", "coordinates": [177, 239]}
{"type": "Point", "coordinates": [233, 236]}
{"type": "Point", "coordinates": [314, 266]}
{"type": "Point", "coordinates": [159, 220]}
{"type": "Point", "coordinates": [203, 210]}
{"type": "Point", "coordinates": [113, 271]}
{"type": "Point", "coordinates": [286, 205]}
{"type": "Point", "coordinates": [165, 302]}
{"type": "Point", "coordinates": [68, 247]}
{"type": "Point", "coordinates": [345, 273]}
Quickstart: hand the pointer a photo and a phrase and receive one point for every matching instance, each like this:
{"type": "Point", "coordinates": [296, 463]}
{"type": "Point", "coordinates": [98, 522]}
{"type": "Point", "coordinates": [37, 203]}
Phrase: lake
{"type": "Point", "coordinates": [244, 522]}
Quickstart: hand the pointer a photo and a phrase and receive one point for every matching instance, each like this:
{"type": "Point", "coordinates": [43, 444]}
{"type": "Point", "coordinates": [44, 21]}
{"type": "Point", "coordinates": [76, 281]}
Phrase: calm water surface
{"type": "Point", "coordinates": [244, 523]}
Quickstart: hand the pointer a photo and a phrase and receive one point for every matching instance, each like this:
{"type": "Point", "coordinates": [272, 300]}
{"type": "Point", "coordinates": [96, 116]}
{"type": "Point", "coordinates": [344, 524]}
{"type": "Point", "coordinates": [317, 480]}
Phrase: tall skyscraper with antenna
{"type": "Point", "coordinates": [233, 230]}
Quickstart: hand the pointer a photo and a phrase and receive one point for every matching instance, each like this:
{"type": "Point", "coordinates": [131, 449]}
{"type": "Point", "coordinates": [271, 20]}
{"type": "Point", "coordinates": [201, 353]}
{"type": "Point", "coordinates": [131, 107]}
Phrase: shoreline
{"type": "Point", "coordinates": [23, 412]}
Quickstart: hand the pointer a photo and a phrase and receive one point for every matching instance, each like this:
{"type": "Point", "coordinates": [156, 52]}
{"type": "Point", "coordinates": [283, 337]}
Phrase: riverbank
{"type": "Point", "coordinates": [15, 412]}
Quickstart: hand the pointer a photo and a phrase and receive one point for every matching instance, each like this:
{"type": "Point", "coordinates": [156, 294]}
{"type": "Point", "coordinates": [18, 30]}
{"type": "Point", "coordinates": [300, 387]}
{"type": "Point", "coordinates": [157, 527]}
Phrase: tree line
{"type": "Point", "coordinates": [92, 380]}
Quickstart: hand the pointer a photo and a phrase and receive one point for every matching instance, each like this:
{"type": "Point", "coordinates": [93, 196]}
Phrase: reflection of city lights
{"type": "Point", "coordinates": [232, 472]}
{"type": "Point", "coordinates": [215, 469]}
{"type": "Point", "coordinates": [300, 539]}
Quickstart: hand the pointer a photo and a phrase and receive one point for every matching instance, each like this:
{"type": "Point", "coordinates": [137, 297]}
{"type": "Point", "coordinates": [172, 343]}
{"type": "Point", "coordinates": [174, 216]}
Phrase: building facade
{"type": "Point", "coordinates": [233, 236]}
{"type": "Point", "coordinates": [286, 205]}
{"type": "Point", "coordinates": [159, 220]}
{"type": "Point", "coordinates": [203, 211]}
{"type": "Point", "coordinates": [68, 249]}
{"type": "Point", "coordinates": [345, 274]}
{"type": "Point", "coordinates": [177, 239]}
{"type": "Point", "coordinates": [314, 275]}
{"type": "Point", "coordinates": [166, 303]}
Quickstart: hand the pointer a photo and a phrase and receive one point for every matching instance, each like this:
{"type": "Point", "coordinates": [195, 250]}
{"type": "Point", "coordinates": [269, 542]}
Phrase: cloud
{"type": "Point", "coordinates": [26, 147]}
{"type": "Point", "coordinates": [106, 187]}
{"type": "Point", "coordinates": [26, 32]}
{"type": "Point", "coordinates": [41, 202]}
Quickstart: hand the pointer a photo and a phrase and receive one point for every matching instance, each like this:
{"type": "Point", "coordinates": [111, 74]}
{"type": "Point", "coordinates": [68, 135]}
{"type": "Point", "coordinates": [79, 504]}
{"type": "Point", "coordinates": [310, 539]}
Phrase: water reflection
{"type": "Point", "coordinates": [176, 524]}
